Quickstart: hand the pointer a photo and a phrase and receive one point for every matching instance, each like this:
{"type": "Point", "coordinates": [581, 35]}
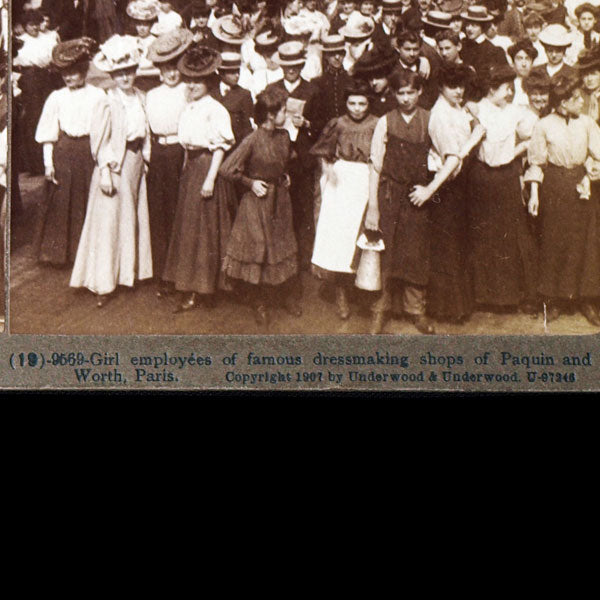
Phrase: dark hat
{"type": "Point", "coordinates": [230, 61]}
{"type": "Point", "coordinates": [377, 62]}
{"type": "Point", "coordinates": [586, 7]}
{"type": "Point", "coordinates": [523, 44]}
{"type": "Point", "coordinates": [438, 19]}
{"type": "Point", "coordinates": [562, 88]}
{"type": "Point", "coordinates": [533, 17]}
{"type": "Point", "coordinates": [67, 54]}
{"type": "Point", "coordinates": [589, 59]}
{"type": "Point", "coordinates": [170, 45]}
{"type": "Point", "coordinates": [33, 17]}
{"type": "Point", "coordinates": [537, 80]}
{"type": "Point", "coordinates": [199, 61]}
{"type": "Point", "coordinates": [477, 14]}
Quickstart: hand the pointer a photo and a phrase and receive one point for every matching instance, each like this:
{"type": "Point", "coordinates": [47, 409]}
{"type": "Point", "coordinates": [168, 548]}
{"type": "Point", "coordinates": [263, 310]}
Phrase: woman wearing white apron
{"type": "Point", "coordinates": [114, 248]}
{"type": "Point", "coordinates": [344, 146]}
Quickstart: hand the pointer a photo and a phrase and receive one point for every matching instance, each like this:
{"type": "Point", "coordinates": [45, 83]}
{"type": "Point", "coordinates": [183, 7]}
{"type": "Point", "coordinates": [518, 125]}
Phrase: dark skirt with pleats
{"type": "Point", "coordinates": [66, 203]}
{"type": "Point", "coordinates": [501, 255]}
{"type": "Point", "coordinates": [201, 230]}
{"type": "Point", "coordinates": [569, 236]}
{"type": "Point", "coordinates": [163, 178]}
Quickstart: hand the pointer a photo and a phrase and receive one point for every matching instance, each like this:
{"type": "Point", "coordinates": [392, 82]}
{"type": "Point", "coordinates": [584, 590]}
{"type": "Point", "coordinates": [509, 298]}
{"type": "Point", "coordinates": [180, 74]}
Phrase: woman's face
{"type": "Point", "coordinates": [32, 29]}
{"type": "Point", "coordinates": [456, 25]}
{"type": "Point", "coordinates": [231, 78]}
{"type": "Point", "coordinates": [169, 74]}
{"type": "Point", "coordinates": [124, 78]}
{"type": "Point", "coordinates": [407, 98]}
{"type": "Point", "coordinates": [473, 30]}
{"type": "Point", "coordinates": [310, 4]}
{"type": "Point", "coordinates": [591, 80]}
{"type": "Point", "coordinates": [143, 28]}
{"type": "Point", "coordinates": [454, 95]}
{"type": "Point", "coordinates": [533, 32]}
{"type": "Point", "coordinates": [74, 78]}
{"type": "Point", "coordinates": [539, 100]}
{"type": "Point", "coordinates": [574, 104]}
{"type": "Point", "coordinates": [378, 84]}
{"type": "Point", "coordinates": [523, 63]}
{"type": "Point", "coordinates": [357, 107]}
{"type": "Point", "coordinates": [503, 94]}
{"type": "Point", "coordinates": [587, 21]}
{"type": "Point", "coordinates": [197, 89]}
{"type": "Point", "coordinates": [347, 7]}
{"type": "Point", "coordinates": [367, 8]}
{"type": "Point", "coordinates": [279, 119]}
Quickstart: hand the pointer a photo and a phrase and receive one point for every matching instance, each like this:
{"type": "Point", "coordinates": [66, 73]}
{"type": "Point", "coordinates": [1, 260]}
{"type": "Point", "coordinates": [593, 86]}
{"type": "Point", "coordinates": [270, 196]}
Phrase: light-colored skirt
{"type": "Point", "coordinates": [115, 242]}
{"type": "Point", "coordinates": [342, 209]}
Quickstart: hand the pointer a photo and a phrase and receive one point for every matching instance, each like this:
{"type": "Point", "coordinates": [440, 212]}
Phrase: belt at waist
{"type": "Point", "coordinates": [135, 145]}
{"type": "Point", "coordinates": [197, 152]}
{"type": "Point", "coordinates": [73, 137]}
{"type": "Point", "coordinates": [166, 140]}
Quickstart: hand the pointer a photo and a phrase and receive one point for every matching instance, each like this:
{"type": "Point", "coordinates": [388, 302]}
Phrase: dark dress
{"type": "Point", "coordinates": [262, 247]}
{"type": "Point", "coordinates": [405, 227]}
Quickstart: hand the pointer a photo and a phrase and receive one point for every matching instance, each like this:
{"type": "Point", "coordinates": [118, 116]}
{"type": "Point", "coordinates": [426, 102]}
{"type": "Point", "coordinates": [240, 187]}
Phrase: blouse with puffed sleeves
{"type": "Point", "coordinates": [346, 139]}
{"type": "Point", "coordinates": [70, 111]}
{"type": "Point", "coordinates": [561, 142]}
{"type": "Point", "coordinates": [206, 123]}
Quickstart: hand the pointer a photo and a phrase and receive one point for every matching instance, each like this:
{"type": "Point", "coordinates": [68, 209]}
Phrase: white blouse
{"type": "Point", "coordinates": [71, 111]}
{"type": "Point", "coordinates": [501, 127]}
{"type": "Point", "coordinates": [36, 51]}
{"type": "Point", "coordinates": [135, 115]}
{"type": "Point", "coordinates": [206, 123]}
{"type": "Point", "coordinates": [164, 106]}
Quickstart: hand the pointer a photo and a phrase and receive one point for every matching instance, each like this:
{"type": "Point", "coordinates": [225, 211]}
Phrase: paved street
{"type": "Point", "coordinates": [42, 302]}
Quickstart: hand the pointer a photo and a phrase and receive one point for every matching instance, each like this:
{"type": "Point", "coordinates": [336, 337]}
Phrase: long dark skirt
{"type": "Point", "coordinates": [66, 203]}
{"type": "Point", "coordinates": [450, 293]}
{"type": "Point", "coordinates": [200, 231]}
{"type": "Point", "coordinates": [569, 230]}
{"type": "Point", "coordinates": [163, 187]}
{"type": "Point", "coordinates": [498, 251]}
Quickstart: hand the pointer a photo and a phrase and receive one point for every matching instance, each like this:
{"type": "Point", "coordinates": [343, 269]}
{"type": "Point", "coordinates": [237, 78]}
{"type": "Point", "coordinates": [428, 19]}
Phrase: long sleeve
{"type": "Point", "coordinates": [537, 154]}
{"type": "Point", "coordinates": [326, 144]}
{"type": "Point", "coordinates": [594, 140]}
{"type": "Point", "coordinates": [48, 127]}
{"type": "Point", "coordinates": [233, 166]}
{"type": "Point", "coordinates": [378, 144]}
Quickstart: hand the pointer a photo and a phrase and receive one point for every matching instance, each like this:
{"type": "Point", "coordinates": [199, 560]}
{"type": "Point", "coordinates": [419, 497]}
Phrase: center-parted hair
{"type": "Point", "coordinates": [405, 78]}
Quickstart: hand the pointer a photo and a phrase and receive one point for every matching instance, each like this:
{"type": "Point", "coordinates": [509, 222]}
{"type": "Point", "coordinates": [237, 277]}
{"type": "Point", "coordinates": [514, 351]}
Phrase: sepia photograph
{"type": "Point", "coordinates": [407, 167]}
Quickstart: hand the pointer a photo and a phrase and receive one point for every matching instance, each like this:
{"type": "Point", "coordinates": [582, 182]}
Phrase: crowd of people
{"type": "Point", "coordinates": [442, 154]}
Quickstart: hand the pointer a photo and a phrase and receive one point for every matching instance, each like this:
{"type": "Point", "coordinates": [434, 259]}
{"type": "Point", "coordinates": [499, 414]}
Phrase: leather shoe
{"type": "Point", "coordinates": [341, 299]}
{"type": "Point", "coordinates": [187, 304]}
{"type": "Point", "coordinates": [423, 324]}
{"type": "Point", "coordinates": [589, 312]}
{"type": "Point", "coordinates": [378, 323]}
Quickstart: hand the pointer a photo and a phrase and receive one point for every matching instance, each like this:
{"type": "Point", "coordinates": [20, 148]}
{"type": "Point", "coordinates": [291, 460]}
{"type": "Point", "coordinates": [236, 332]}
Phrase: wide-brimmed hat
{"type": "Point", "coordinates": [170, 45]}
{"type": "Point", "coordinates": [586, 7]}
{"type": "Point", "coordinates": [357, 28]}
{"type": "Point", "coordinates": [376, 62]}
{"type": "Point", "coordinates": [391, 6]}
{"type": "Point", "coordinates": [477, 14]}
{"type": "Point", "coordinates": [588, 59]}
{"type": "Point", "coordinates": [266, 39]}
{"type": "Point", "coordinates": [72, 52]}
{"type": "Point", "coordinates": [118, 52]}
{"type": "Point", "coordinates": [555, 35]}
{"type": "Point", "coordinates": [229, 29]}
{"type": "Point", "coordinates": [298, 25]}
{"type": "Point", "coordinates": [230, 61]}
{"type": "Point", "coordinates": [290, 54]}
{"type": "Point", "coordinates": [437, 18]}
{"type": "Point", "coordinates": [333, 43]}
{"type": "Point", "coordinates": [199, 61]}
{"type": "Point", "coordinates": [142, 10]}
{"type": "Point", "coordinates": [453, 7]}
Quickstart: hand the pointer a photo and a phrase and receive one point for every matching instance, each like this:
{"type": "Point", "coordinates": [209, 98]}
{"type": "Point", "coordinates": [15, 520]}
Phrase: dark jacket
{"type": "Point", "coordinates": [481, 56]}
{"type": "Point", "coordinates": [330, 88]}
{"type": "Point", "coordinates": [238, 103]}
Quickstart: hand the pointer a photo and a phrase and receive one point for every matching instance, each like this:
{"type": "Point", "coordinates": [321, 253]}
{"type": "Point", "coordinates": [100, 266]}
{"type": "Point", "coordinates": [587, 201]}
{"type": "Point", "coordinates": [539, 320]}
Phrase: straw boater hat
{"type": "Point", "coordinates": [333, 43]}
{"type": "Point", "coordinates": [555, 35]}
{"type": "Point", "coordinates": [453, 7]}
{"type": "Point", "coordinates": [142, 10]}
{"type": "Point", "coordinates": [290, 54]}
{"type": "Point", "coordinates": [170, 45]}
{"type": "Point", "coordinates": [72, 52]}
{"type": "Point", "coordinates": [438, 19]}
{"type": "Point", "coordinates": [229, 29]}
{"type": "Point", "coordinates": [230, 61]}
{"type": "Point", "coordinates": [357, 28]}
{"type": "Point", "coordinates": [199, 61]}
{"type": "Point", "coordinates": [118, 52]}
{"type": "Point", "coordinates": [391, 6]}
{"type": "Point", "coordinates": [477, 14]}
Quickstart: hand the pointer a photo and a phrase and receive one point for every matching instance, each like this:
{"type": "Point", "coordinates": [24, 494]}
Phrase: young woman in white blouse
{"type": "Point", "coordinates": [64, 130]}
{"type": "Point", "coordinates": [203, 216]}
{"type": "Point", "coordinates": [115, 243]}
